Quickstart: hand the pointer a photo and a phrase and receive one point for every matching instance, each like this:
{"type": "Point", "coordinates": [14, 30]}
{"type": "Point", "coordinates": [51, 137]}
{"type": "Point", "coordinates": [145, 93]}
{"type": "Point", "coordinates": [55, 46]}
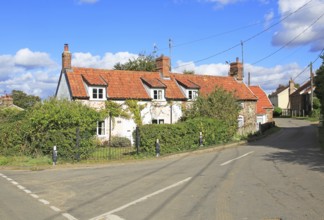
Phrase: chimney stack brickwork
{"type": "Point", "coordinates": [236, 70]}
{"type": "Point", "coordinates": [291, 86]}
{"type": "Point", "coordinates": [66, 58]}
{"type": "Point", "coordinates": [163, 66]}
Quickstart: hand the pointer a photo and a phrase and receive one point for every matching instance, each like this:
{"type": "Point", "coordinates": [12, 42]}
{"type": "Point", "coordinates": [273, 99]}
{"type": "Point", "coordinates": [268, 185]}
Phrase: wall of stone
{"type": "Point", "coordinates": [249, 113]}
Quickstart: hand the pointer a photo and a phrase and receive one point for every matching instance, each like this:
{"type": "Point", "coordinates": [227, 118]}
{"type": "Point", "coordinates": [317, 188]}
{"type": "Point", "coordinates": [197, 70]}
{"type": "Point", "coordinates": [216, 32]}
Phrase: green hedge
{"type": "Point", "coordinates": [185, 135]}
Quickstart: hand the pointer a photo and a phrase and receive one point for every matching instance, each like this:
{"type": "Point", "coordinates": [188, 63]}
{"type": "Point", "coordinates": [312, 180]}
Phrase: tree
{"type": "Point", "coordinates": [220, 104]}
{"type": "Point", "coordinates": [189, 72]}
{"type": "Point", "coordinates": [319, 84]}
{"type": "Point", "coordinates": [70, 126]}
{"type": "Point", "coordinates": [141, 63]}
{"type": "Point", "coordinates": [23, 100]}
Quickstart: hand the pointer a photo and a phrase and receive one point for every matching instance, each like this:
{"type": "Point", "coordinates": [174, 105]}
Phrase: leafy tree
{"type": "Point", "coordinates": [70, 126]}
{"type": "Point", "coordinates": [189, 72]}
{"type": "Point", "coordinates": [277, 112]}
{"type": "Point", "coordinates": [319, 84]}
{"type": "Point", "coordinates": [23, 100]}
{"type": "Point", "coordinates": [220, 105]}
{"type": "Point", "coordinates": [141, 63]}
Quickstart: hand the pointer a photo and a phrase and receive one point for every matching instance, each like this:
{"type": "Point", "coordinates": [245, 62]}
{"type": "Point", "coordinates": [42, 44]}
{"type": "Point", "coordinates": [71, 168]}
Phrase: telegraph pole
{"type": "Point", "coordinates": [170, 51]}
{"type": "Point", "coordinates": [311, 85]}
{"type": "Point", "coordinates": [242, 59]}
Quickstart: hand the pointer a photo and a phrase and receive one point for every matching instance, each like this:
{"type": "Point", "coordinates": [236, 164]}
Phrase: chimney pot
{"type": "Point", "coordinates": [66, 47]}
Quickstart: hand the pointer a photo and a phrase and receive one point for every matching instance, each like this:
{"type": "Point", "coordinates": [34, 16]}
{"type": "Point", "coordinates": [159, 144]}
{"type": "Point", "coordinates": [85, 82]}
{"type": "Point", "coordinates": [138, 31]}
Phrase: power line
{"type": "Point", "coordinates": [250, 38]}
{"type": "Point", "coordinates": [308, 65]}
{"type": "Point", "coordinates": [289, 42]}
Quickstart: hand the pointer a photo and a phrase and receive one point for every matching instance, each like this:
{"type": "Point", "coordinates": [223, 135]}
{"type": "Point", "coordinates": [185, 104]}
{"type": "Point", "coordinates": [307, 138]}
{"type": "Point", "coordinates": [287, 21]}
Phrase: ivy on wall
{"type": "Point", "coordinates": [135, 109]}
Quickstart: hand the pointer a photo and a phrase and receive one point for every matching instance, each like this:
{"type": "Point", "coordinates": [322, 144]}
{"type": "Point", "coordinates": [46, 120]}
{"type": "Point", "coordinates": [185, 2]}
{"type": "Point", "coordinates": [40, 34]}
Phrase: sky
{"type": "Point", "coordinates": [276, 39]}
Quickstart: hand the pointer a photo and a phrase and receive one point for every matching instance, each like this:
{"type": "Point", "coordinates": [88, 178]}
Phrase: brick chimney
{"type": "Point", "coordinates": [291, 86]}
{"type": "Point", "coordinates": [66, 58]}
{"type": "Point", "coordinates": [163, 66]}
{"type": "Point", "coordinates": [236, 70]}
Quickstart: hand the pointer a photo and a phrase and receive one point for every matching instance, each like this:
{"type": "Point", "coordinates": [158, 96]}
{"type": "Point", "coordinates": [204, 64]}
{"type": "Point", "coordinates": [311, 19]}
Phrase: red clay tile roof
{"type": "Point", "coordinates": [124, 84]}
{"type": "Point", "coordinates": [76, 85]}
{"type": "Point", "coordinates": [208, 83]}
{"type": "Point", "coordinates": [263, 102]}
{"type": "Point", "coordinates": [187, 84]}
{"type": "Point", "coordinates": [153, 83]}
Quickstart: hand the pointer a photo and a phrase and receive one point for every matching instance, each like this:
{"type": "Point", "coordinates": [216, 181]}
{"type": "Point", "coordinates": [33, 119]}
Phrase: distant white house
{"type": "Point", "coordinates": [280, 98]}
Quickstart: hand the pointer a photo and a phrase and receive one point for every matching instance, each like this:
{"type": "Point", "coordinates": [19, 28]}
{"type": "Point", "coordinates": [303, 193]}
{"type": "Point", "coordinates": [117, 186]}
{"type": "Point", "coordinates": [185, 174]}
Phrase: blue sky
{"type": "Point", "coordinates": [280, 37]}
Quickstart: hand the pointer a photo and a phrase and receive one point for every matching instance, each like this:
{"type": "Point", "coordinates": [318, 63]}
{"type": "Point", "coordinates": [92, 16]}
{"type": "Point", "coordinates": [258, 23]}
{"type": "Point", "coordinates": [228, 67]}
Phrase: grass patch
{"type": "Point", "coordinates": [25, 161]}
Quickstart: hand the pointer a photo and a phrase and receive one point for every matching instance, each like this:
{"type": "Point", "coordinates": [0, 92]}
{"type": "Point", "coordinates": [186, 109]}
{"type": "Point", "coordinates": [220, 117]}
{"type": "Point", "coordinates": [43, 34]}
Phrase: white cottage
{"type": "Point", "coordinates": [162, 93]}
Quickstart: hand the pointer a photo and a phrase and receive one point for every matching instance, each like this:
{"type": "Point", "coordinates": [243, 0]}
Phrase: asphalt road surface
{"type": "Point", "coordinates": [278, 177]}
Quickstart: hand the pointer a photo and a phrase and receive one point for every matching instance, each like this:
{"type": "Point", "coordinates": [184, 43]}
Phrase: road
{"type": "Point", "coordinates": [278, 177]}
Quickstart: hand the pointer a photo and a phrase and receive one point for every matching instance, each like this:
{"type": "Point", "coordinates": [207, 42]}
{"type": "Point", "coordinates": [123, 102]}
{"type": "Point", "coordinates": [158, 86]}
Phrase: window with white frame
{"type": "Point", "coordinates": [101, 128]}
{"type": "Point", "coordinates": [240, 121]}
{"type": "Point", "coordinates": [97, 93]}
{"type": "Point", "coordinates": [158, 121]}
{"type": "Point", "coordinates": [192, 94]}
{"type": "Point", "coordinates": [158, 94]}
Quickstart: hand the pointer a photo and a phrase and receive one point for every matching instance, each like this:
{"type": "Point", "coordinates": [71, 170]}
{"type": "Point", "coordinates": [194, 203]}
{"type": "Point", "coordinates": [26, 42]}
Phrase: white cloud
{"type": "Point", "coordinates": [268, 18]}
{"type": "Point", "coordinates": [32, 72]}
{"type": "Point", "coordinates": [29, 59]}
{"type": "Point", "coordinates": [299, 22]}
{"type": "Point", "coordinates": [36, 73]}
{"type": "Point", "coordinates": [106, 62]}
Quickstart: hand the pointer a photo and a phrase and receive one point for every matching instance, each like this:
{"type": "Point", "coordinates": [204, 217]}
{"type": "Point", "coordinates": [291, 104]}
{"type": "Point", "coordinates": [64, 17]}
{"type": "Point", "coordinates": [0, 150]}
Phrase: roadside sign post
{"type": "Point", "coordinates": [54, 155]}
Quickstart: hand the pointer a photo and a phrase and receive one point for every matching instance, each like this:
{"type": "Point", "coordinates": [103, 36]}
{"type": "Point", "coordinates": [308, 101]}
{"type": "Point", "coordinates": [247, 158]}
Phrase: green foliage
{"type": "Point", "coordinates": [23, 100]}
{"type": "Point", "coordinates": [319, 84]}
{"type": "Point", "coordinates": [189, 72]}
{"type": "Point", "coordinates": [185, 135]}
{"type": "Point", "coordinates": [114, 109]}
{"type": "Point", "coordinates": [141, 63]}
{"type": "Point", "coordinates": [119, 142]}
{"type": "Point", "coordinates": [277, 112]}
{"type": "Point", "coordinates": [68, 125]}
{"type": "Point", "coordinates": [135, 110]}
{"type": "Point", "coordinates": [219, 104]}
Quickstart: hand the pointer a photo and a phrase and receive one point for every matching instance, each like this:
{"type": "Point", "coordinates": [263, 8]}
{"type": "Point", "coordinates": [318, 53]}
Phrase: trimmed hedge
{"type": "Point", "coordinates": [117, 141]}
{"type": "Point", "coordinates": [185, 135]}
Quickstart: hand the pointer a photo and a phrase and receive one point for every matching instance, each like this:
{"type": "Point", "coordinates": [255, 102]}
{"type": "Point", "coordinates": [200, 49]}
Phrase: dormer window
{"type": "Point", "coordinates": [157, 94]}
{"type": "Point", "coordinates": [97, 93]}
{"type": "Point", "coordinates": [192, 94]}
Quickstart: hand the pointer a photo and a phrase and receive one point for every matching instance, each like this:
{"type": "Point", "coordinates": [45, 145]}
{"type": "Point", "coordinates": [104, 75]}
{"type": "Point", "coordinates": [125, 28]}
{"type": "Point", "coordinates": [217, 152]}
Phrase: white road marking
{"type": "Point", "coordinates": [107, 214]}
{"type": "Point", "coordinates": [230, 161]}
{"type": "Point", "coordinates": [55, 209]}
{"type": "Point", "coordinates": [27, 191]}
{"type": "Point", "coordinates": [68, 216]}
{"type": "Point", "coordinates": [34, 195]}
{"type": "Point", "coordinates": [21, 187]}
{"type": "Point", "coordinates": [45, 202]}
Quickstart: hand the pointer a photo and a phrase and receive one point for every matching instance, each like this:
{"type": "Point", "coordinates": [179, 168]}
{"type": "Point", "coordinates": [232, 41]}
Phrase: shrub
{"type": "Point", "coordinates": [117, 141]}
{"type": "Point", "coordinates": [185, 135]}
{"type": "Point", "coordinates": [68, 125]}
{"type": "Point", "coordinates": [277, 112]}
